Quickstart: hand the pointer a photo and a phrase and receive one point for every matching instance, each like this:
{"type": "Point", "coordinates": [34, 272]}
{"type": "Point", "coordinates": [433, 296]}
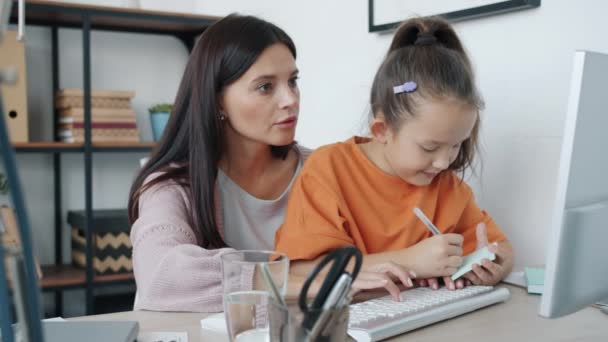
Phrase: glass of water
{"type": "Point", "coordinates": [247, 292]}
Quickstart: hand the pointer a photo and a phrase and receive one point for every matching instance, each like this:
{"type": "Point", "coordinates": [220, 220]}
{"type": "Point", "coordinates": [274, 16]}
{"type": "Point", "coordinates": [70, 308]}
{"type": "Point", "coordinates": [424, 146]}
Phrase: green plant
{"type": "Point", "coordinates": [3, 185]}
{"type": "Point", "coordinates": [161, 108]}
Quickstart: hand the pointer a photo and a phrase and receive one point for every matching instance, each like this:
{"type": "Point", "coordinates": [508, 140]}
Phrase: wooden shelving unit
{"type": "Point", "coordinates": [67, 276]}
{"type": "Point", "coordinates": [184, 26]}
{"type": "Point", "coordinates": [57, 147]}
{"type": "Point", "coordinates": [54, 14]}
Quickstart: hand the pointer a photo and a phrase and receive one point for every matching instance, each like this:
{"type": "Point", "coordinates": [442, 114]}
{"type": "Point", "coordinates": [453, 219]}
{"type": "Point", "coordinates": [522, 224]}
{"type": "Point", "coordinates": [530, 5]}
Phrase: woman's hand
{"type": "Point", "coordinates": [386, 275]}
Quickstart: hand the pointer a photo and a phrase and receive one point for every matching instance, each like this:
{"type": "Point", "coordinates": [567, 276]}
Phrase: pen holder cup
{"type": "Point", "coordinates": [286, 324]}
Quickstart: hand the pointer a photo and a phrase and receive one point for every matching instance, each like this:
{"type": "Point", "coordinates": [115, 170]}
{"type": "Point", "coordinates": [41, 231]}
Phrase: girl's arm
{"type": "Point", "coordinates": [439, 255]}
{"type": "Point", "coordinates": [433, 257]}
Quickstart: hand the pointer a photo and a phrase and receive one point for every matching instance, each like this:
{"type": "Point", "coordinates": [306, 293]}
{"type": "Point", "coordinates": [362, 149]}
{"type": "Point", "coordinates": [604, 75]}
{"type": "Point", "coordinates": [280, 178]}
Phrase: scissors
{"type": "Point", "coordinates": [340, 258]}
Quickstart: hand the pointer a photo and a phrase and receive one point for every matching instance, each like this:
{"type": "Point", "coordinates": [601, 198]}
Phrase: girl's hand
{"type": "Point", "coordinates": [491, 273]}
{"type": "Point", "coordinates": [437, 256]}
{"type": "Point", "coordinates": [386, 275]}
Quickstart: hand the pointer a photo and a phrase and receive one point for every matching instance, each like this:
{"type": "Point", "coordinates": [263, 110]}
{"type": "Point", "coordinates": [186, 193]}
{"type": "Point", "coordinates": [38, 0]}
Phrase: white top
{"type": "Point", "coordinates": [250, 222]}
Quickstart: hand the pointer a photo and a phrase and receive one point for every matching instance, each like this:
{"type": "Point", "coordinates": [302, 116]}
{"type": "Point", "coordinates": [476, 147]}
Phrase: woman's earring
{"type": "Point", "coordinates": [222, 116]}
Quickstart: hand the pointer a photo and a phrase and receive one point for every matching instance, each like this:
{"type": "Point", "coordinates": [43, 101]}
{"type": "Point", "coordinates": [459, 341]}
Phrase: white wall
{"type": "Point", "coordinates": [523, 61]}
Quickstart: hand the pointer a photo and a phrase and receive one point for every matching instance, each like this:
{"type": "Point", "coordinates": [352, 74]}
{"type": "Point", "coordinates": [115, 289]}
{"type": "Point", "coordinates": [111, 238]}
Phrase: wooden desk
{"type": "Point", "coordinates": [516, 320]}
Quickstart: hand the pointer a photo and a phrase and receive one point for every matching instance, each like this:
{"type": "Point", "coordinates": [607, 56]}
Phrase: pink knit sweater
{"type": "Point", "coordinates": [172, 271]}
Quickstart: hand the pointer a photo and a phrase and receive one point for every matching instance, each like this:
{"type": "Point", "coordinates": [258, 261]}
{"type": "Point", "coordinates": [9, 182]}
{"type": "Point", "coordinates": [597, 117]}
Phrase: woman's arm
{"type": "Point", "coordinates": [172, 271]}
{"type": "Point", "coordinates": [387, 275]}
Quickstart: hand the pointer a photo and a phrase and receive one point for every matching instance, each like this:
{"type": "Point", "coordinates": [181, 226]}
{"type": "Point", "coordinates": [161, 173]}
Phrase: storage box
{"type": "Point", "coordinates": [14, 96]}
{"type": "Point", "coordinates": [111, 244]}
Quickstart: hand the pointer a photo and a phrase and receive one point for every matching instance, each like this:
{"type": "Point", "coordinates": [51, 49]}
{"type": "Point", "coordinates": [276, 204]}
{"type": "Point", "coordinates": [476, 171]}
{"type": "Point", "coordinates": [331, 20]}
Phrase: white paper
{"type": "Point", "coordinates": [162, 337]}
{"type": "Point", "coordinates": [516, 278]}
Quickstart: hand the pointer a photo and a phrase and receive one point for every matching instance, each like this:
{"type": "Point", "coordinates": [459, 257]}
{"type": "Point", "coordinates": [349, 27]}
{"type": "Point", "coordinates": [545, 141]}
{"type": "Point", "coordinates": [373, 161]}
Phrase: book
{"type": "Point", "coordinates": [95, 125]}
{"type": "Point", "coordinates": [78, 112]}
{"type": "Point", "coordinates": [94, 119]}
{"type": "Point", "coordinates": [100, 132]}
{"type": "Point", "coordinates": [535, 278]}
{"type": "Point", "coordinates": [101, 140]}
{"type": "Point", "coordinates": [100, 135]}
{"type": "Point", "coordinates": [67, 98]}
{"type": "Point", "coordinates": [96, 93]}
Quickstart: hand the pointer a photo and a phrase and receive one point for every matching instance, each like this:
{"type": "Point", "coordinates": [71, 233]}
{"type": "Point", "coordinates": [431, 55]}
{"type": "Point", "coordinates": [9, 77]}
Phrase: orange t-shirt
{"type": "Point", "coordinates": [342, 198]}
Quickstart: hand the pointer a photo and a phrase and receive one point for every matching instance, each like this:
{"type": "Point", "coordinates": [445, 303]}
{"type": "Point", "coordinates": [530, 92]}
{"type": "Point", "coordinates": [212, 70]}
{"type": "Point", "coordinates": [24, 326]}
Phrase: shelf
{"type": "Point", "coordinates": [123, 147]}
{"type": "Point", "coordinates": [86, 18]}
{"type": "Point", "coordinates": [63, 14]}
{"type": "Point", "coordinates": [59, 147]}
{"type": "Point", "coordinates": [47, 147]}
{"type": "Point", "coordinates": [66, 276]}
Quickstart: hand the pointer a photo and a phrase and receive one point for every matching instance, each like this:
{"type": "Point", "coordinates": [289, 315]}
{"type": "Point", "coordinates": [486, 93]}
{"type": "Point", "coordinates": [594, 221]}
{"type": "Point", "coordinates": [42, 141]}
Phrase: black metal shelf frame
{"type": "Point", "coordinates": [85, 18]}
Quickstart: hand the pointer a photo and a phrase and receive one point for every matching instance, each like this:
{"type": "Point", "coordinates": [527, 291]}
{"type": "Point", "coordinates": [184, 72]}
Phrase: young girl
{"type": "Point", "coordinates": [363, 191]}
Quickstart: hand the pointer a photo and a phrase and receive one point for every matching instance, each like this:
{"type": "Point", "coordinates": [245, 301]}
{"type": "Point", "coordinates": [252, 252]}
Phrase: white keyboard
{"type": "Point", "coordinates": [383, 317]}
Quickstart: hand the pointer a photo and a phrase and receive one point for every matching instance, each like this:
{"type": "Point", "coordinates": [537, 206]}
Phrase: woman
{"type": "Point", "coordinates": [228, 144]}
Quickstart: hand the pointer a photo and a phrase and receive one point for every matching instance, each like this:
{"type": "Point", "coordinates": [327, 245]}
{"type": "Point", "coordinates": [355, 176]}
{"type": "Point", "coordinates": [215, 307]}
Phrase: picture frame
{"type": "Point", "coordinates": [386, 15]}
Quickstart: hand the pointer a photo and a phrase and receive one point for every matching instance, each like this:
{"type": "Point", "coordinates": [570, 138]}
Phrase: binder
{"type": "Point", "coordinates": [14, 96]}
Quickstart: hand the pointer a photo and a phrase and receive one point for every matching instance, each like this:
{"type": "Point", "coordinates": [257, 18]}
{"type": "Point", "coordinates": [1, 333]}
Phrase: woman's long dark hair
{"type": "Point", "coordinates": [192, 143]}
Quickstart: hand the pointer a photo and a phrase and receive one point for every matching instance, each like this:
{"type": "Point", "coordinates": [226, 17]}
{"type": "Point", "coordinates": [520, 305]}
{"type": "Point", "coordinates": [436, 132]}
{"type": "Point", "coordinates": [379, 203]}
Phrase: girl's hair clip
{"type": "Point", "coordinates": [407, 87]}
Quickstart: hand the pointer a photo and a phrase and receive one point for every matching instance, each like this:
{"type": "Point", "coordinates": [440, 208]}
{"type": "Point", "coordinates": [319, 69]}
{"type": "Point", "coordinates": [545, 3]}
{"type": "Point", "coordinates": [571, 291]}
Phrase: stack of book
{"type": "Point", "coordinates": [112, 118]}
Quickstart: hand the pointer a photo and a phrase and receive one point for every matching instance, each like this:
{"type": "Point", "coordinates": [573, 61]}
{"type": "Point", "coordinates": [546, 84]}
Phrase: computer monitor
{"type": "Point", "coordinates": [576, 270]}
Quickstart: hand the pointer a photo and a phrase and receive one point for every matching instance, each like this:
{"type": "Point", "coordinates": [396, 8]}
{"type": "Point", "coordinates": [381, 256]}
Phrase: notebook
{"type": "Point", "coordinates": [535, 278]}
{"type": "Point", "coordinates": [91, 331]}
{"type": "Point", "coordinates": [473, 258]}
